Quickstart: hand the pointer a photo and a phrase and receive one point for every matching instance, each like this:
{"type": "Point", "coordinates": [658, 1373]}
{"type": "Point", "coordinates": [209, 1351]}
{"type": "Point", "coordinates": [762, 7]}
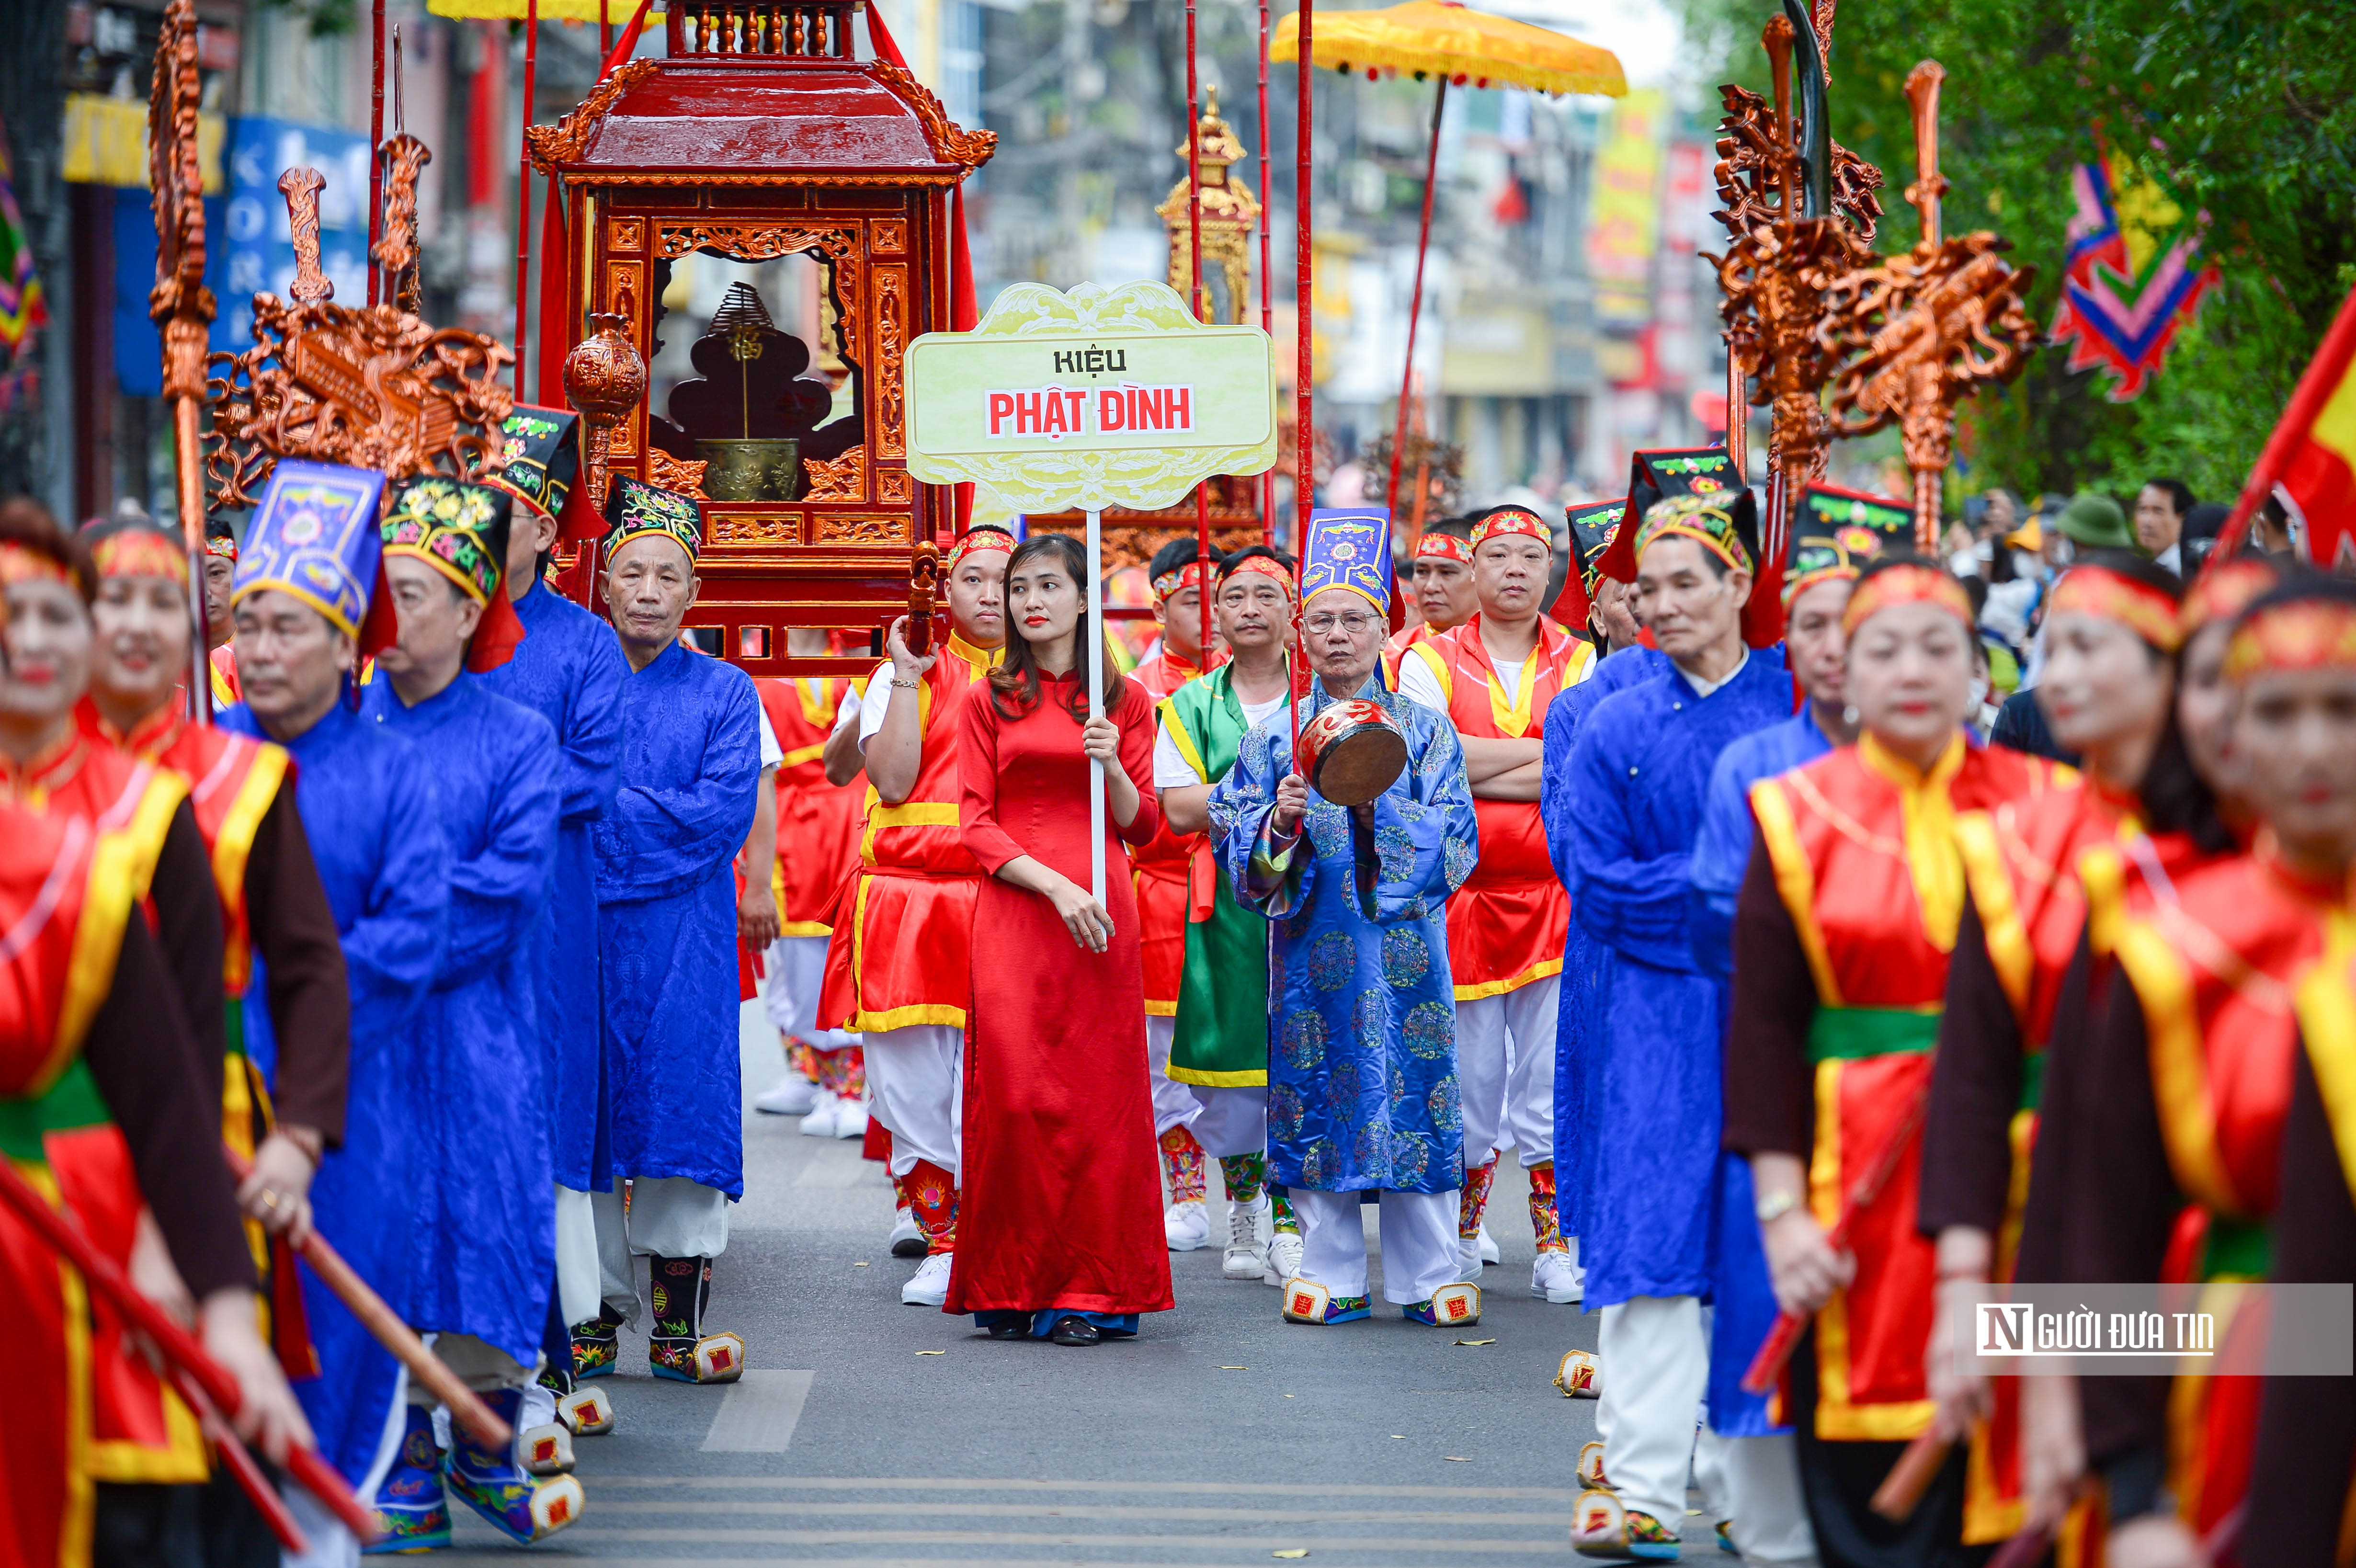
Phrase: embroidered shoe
{"type": "Point", "coordinates": [1305, 1301]}
{"type": "Point", "coordinates": [1591, 1467]}
{"type": "Point", "coordinates": [412, 1512]}
{"type": "Point", "coordinates": [679, 1289]}
{"type": "Point", "coordinates": [1577, 1376]}
{"type": "Point", "coordinates": [520, 1506]}
{"type": "Point", "coordinates": [546, 1450]}
{"type": "Point", "coordinates": [1450, 1306]}
{"type": "Point", "coordinates": [1726, 1537]}
{"type": "Point", "coordinates": [1601, 1527]}
{"type": "Point", "coordinates": [596, 1342]}
{"type": "Point", "coordinates": [713, 1358]}
{"type": "Point", "coordinates": [587, 1411]}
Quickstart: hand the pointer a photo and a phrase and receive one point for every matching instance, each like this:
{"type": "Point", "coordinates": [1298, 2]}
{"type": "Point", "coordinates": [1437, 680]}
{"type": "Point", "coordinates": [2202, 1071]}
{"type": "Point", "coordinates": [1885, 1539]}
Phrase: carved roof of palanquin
{"type": "Point", "coordinates": [715, 122]}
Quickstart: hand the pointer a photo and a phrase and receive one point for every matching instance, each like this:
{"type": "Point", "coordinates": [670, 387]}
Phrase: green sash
{"type": "Point", "coordinates": [1221, 1034]}
{"type": "Point", "coordinates": [72, 1102]}
{"type": "Point", "coordinates": [1844, 1034]}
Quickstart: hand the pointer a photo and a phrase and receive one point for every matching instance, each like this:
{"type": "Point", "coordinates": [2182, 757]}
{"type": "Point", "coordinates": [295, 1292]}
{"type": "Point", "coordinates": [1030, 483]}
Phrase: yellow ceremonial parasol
{"type": "Point", "coordinates": [1443, 39]}
{"type": "Point", "coordinates": [1437, 37]}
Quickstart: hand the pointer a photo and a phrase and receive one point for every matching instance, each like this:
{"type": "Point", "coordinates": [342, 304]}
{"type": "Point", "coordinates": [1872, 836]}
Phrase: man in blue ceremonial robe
{"type": "Point", "coordinates": [569, 670]}
{"type": "Point", "coordinates": [301, 607]}
{"type": "Point", "coordinates": [1362, 1093]}
{"type": "Point", "coordinates": [483, 1258]}
{"type": "Point", "coordinates": [1651, 1055]}
{"type": "Point", "coordinates": [691, 771]}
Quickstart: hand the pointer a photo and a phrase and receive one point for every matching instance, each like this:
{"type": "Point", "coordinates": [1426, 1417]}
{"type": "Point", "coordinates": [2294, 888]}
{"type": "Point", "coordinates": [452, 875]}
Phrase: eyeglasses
{"type": "Point", "coordinates": [1352, 623]}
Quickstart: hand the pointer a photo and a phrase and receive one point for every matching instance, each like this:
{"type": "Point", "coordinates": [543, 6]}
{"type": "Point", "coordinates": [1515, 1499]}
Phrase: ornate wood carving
{"type": "Point", "coordinates": [951, 143]}
{"type": "Point", "coordinates": [892, 485]}
{"type": "Point", "coordinates": [840, 480]}
{"type": "Point", "coordinates": [890, 343]}
{"type": "Point", "coordinates": [837, 528]}
{"type": "Point", "coordinates": [179, 303]}
{"type": "Point", "coordinates": [564, 141]}
{"type": "Point", "coordinates": [754, 527]}
{"type": "Point", "coordinates": [675, 473]}
{"type": "Point", "coordinates": [301, 187]}
{"type": "Point", "coordinates": [753, 240]}
{"type": "Point", "coordinates": [405, 158]}
{"type": "Point", "coordinates": [887, 237]}
{"type": "Point", "coordinates": [605, 378]}
{"type": "Point", "coordinates": [626, 233]}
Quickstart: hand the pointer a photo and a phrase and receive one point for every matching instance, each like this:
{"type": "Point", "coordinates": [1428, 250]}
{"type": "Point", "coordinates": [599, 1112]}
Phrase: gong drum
{"type": "Point", "coordinates": [1352, 751]}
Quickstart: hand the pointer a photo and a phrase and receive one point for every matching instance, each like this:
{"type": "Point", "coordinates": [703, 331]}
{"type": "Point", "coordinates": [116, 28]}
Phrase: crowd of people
{"type": "Point", "coordinates": [1706, 886]}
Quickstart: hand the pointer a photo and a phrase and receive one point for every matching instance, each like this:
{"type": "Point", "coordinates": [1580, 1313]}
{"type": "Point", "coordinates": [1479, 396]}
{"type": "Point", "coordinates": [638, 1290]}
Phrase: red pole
{"type": "Point", "coordinates": [1304, 286]}
{"type": "Point", "coordinates": [605, 28]}
{"type": "Point", "coordinates": [376, 140]}
{"type": "Point", "coordinates": [523, 184]}
{"type": "Point", "coordinates": [1415, 310]}
{"type": "Point", "coordinates": [1199, 286]}
{"type": "Point", "coordinates": [1267, 313]}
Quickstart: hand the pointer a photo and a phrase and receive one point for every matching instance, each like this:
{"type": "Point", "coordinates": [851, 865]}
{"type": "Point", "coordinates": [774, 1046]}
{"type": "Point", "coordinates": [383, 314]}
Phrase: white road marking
{"type": "Point", "coordinates": [758, 1414]}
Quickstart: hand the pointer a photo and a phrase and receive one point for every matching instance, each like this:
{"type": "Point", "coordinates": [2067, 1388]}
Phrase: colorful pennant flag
{"type": "Point", "coordinates": [2134, 273]}
{"type": "Point", "coordinates": [22, 309]}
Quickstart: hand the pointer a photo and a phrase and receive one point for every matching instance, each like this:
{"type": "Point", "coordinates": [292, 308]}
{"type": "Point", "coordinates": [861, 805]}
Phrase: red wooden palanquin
{"type": "Point", "coordinates": [760, 135]}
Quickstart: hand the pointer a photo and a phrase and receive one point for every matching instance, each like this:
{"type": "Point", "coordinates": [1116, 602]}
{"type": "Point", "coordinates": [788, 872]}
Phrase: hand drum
{"type": "Point", "coordinates": [1351, 753]}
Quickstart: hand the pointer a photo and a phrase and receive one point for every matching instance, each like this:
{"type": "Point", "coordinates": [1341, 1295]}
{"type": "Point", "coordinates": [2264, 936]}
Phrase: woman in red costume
{"type": "Point", "coordinates": [2023, 976]}
{"type": "Point", "coordinates": [1062, 1238]}
{"type": "Point", "coordinates": [1841, 942]}
{"type": "Point", "coordinates": [2159, 1156]}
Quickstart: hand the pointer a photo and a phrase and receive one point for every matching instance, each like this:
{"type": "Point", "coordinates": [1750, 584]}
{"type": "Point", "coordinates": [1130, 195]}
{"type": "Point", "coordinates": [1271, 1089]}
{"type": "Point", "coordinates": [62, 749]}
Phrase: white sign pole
{"type": "Point", "coordinates": [1096, 706]}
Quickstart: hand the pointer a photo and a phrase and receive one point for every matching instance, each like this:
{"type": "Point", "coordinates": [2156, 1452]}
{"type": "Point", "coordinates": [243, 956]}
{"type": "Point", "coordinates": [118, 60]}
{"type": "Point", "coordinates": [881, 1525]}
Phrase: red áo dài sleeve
{"type": "Point", "coordinates": [977, 723]}
{"type": "Point", "coordinates": [1134, 714]}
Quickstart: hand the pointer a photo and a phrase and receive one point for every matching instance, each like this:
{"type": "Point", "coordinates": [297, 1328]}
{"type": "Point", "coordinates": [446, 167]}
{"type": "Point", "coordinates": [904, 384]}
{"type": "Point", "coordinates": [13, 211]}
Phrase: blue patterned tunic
{"type": "Point", "coordinates": [483, 1257]}
{"type": "Point", "coordinates": [368, 804]}
{"type": "Point", "coordinates": [691, 767]}
{"type": "Point", "coordinates": [1361, 1063]}
{"type": "Point", "coordinates": [569, 670]}
{"type": "Point", "coordinates": [1652, 1060]}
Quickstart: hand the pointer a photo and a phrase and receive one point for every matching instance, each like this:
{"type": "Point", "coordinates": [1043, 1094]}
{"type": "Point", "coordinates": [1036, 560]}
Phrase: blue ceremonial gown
{"type": "Point", "coordinates": [368, 804]}
{"type": "Point", "coordinates": [569, 669]}
{"type": "Point", "coordinates": [483, 1252]}
{"type": "Point", "coordinates": [690, 768]}
{"type": "Point", "coordinates": [1361, 1089]}
{"type": "Point", "coordinates": [1653, 1055]}
{"type": "Point", "coordinates": [1581, 959]}
{"type": "Point", "coordinates": [1744, 1296]}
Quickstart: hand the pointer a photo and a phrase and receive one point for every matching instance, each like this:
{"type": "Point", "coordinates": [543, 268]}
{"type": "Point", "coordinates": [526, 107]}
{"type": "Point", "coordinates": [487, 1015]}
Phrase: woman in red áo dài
{"type": "Point", "coordinates": [1841, 942]}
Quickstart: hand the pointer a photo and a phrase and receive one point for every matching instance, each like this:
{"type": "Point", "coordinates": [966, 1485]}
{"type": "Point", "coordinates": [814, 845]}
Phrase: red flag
{"type": "Point", "coordinates": [556, 318]}
{"type": "Point", "coordinates": [2312, 454]}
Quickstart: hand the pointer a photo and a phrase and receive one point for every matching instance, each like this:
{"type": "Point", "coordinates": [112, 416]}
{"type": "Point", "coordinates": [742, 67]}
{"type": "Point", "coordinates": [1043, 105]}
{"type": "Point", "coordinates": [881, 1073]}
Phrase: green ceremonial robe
{"type": "Point", "coordinates": [1221, 1035]}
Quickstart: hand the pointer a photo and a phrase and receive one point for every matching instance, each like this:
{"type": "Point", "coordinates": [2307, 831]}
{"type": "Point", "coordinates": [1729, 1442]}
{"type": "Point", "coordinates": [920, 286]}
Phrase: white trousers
{"type": "Point", "coordinates": [1758, 1481]}
{"type": "Point", "coordinates": [1419, 1241]}
{"type": "Point", "coordinates": [1174, 1104]}
{"type": "Point", "coordinates": [669, 1217]}
{"type": "Point", "coordinates": [1232, 1121]}
{"type": "Point", "coordinates": [1504, 1066]}
{"type": "Point", "coordinates": [797, 966]}
{"type": "Point", "coordinates": [578, 1286]}
{"type": "Point", "coordinates": [916, 1086]}
{"type": "Point", "coordinates": [1655, 1364]}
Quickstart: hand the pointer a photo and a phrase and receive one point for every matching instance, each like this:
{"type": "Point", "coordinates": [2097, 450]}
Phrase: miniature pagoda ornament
{"type": "Point", "coordinates": [1230, 213]}
{"type": "Point", "coordinates": [1919, 333]}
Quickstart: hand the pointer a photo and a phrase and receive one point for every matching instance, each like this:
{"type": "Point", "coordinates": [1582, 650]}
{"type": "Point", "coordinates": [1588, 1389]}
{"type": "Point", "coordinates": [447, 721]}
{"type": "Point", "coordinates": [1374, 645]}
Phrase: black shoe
{"type": "Point", "coordinates": [1009, 1329]}
{"type": "Point", "coordinates": [1074, 1332]}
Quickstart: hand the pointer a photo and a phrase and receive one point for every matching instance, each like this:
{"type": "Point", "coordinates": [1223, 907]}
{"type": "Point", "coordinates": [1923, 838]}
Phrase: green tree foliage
{"type": "Point", "coordinates": [2246, 107]}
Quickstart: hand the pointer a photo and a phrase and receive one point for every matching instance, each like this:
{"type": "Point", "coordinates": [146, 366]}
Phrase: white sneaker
{"type": "Point", "coordinates": [1556, 1278]}
{"type": "Point", "coordinates": [850, 1119]}
{"type": "Point", "coordinates": [1284, 1258]}
{"type": "Point", "coordinates": [1468, 1259]}
{"type": "Point", "coordinates": [1247, 1255]}
{"type": "Point", "coordinates": [907, 1238]}
{"type": "Point", "coordinates": [1489, 1253]}
{"type": "Point", "coordinates": [820, 1122]}
{"type": "Point", "coordinates": [930, 1285]}
{"type": "Point", "coordinates": [1187, 1226]}
{"type": "Point", "coordinates": [792, 1095]}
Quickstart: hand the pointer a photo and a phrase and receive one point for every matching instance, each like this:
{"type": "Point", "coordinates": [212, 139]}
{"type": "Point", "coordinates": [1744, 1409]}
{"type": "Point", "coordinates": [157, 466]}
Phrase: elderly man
{"type": "Point", "coordinates": [691, 769]}
{"type": "Point", "coordinates": [1652, 1100]}
{"type": "Point", "coordinates": [1361, 1083]}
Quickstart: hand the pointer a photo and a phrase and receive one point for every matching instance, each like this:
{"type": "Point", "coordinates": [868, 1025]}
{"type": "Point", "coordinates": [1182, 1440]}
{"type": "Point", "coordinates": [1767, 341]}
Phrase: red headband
{"type": "Point", "coordinates": [1503, 525]}
{"type": "Point", "coordinates": [1895, 585]}
{"type": "Point", "coordinates": [1266, 566]}
{"type": "Point", "coordinates": [1187, 576]}
{"type": "Point", "coordinates": [2298, 633]}
{"type": "Point", "coordinates": [140, 552]}
{"type": "Point", "coordinates": [221, 545]}
{"type": "Point", "coordinates": [2223, 591]}
{"type": "Point", "coordinates": [2147, 611]}
{"type": "Point", "coordinates": [976, 540]}
{"type": "Point", "coordinates": [22, 563]}
{"type": "Point", "coordinates": [1434, 545]}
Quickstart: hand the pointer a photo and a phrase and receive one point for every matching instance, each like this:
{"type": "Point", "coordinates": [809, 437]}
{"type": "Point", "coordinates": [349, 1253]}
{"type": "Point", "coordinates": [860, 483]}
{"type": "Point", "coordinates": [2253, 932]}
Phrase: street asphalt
{"type": "Point", "coordinates": [873, 1433]}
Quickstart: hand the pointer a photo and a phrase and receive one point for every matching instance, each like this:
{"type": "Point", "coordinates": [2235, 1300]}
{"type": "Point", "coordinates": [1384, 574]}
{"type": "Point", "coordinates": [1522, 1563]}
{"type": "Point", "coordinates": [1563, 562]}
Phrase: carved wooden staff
{"type": "Point", "coordinates": [180, 304]}
{"type": "Point", "coordinates": [1923, 331]}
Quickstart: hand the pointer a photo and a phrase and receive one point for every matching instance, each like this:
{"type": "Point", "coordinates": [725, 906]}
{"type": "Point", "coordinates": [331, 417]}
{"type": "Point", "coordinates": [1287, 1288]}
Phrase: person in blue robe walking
{"type": "Point", "coordinates": [300, 604]}
{"type": "Point", "coordinates": [485, 1252]}
{"type": "Point", "coordinates": [691, 771]}
{"type": "Point", "coordinates": [569, 670]}
{"type": "Point", "coordinates": [1363, 1094]}
{"type": "Point", "coordinates": [1652, 1053]}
